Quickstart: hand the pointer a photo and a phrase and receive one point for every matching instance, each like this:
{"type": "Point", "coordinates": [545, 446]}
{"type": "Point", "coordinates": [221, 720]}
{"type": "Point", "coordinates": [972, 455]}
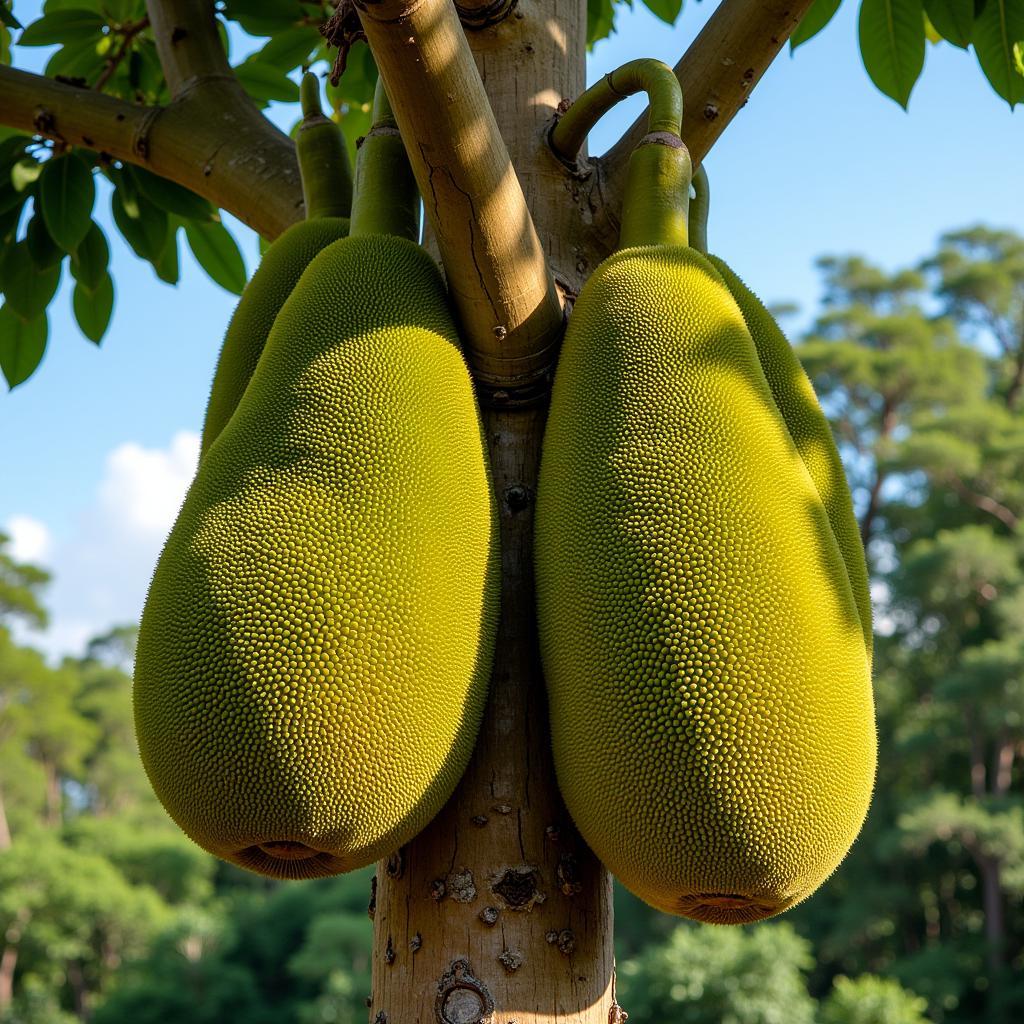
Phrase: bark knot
{"type": "Point", "coordinates": [462, 998]}
{"type": "Point", "coordinates": [519, 887]}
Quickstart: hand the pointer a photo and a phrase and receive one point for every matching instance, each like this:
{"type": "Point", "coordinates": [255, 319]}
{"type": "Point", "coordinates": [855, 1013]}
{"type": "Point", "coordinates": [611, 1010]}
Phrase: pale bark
{"type": "Point", "coordinates": [498, 276]}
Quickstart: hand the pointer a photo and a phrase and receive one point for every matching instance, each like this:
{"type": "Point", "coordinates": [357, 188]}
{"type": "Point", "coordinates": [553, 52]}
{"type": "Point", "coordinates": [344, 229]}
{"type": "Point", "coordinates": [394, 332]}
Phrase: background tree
{"type": "Point", "coordinates": [145, 101]}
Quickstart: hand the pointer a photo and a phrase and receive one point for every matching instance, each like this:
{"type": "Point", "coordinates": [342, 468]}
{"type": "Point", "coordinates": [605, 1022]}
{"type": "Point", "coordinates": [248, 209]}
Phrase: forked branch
{"type": "Point", "coordinates": [496, 268]}
{"type": "Point", "coordinates": [718, 73]}
{"type": "Point", "coordinates": [230, 154]}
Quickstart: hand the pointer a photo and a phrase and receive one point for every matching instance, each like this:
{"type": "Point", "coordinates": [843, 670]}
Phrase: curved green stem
{"type": "Point", "coordinates": [700, 204]}
{"type": "Point", "coordinates": [645, 75]}
{"type": "Point", "coordinates": [387, 202]}
{"type": "Point", "coordinates": [657, 191]}
{"type": "Point", "coordinates": [323, 158]}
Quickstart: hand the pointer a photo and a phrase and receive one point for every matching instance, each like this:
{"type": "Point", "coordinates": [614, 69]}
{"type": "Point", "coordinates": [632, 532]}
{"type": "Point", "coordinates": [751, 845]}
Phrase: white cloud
{"type": "Point", "coordinates": [101, 571]}
{"type": "Point", "coordinates": [30, 539]}
{"type": "Point", "coordinates": [143, 488]}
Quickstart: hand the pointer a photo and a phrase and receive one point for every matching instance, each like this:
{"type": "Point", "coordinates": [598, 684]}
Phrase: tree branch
{"type": "Point", "coordinates": [497, 272]}
{"type": "Point", "coordinates": [717, 73]}
{"type": "Point", "coordinates": [206, 141]}
{"type": "Point", "coordinates": [983, 502]}
{"type": "Point", "coordinates": [188, 43]}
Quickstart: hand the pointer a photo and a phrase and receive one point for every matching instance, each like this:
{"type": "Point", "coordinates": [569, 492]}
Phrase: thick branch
{"type": "Point", "coordinates": [206, 141]}
{"type": "Point", "coordinates": [717, 73]}
{"type": "Point", "coordinates": [984, 502]}
{"type": "Point", "coordinates": [187, 42]}
{"type": "Point", "coordinates": [496, 268]}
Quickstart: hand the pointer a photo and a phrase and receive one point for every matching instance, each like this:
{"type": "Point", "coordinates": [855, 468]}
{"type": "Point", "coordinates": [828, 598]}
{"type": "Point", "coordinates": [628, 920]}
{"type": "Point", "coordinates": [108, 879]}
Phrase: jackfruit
{"type": "Point", "coordinates": [327, 195]}
{"type": "Point", "coordinates": [275, 279]}
{"type": "Point", "coordinates": [701, 635]}
{"type": "Point", "coordinates": [794, 395]}
{"type": "Point", "coordinates": [314, 653]}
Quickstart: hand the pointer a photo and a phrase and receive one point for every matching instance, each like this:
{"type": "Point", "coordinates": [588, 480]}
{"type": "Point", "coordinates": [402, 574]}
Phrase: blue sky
{"type": "Point", "coordinates": [99, 445]}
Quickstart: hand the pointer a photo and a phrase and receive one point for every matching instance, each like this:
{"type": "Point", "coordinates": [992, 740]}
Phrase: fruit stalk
{"type": "Point", "coordinates": [700, 206]}
{"type": "Point", "coordinates": [387, 202]}
{"type": "Point", "coordinates": [657, 190]}
{"type": "Point", "coordinates": [323, 158]}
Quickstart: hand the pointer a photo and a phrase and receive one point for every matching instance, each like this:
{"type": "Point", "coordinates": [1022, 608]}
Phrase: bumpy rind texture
{"type": "Point", "coordinates": [794, 395]}
{"type": "Point", "coordinates": [710, 693]}
{"type": "Point", "coordinates": [314, 653]}
{"type": "Point", "coordinates": [275, 278]}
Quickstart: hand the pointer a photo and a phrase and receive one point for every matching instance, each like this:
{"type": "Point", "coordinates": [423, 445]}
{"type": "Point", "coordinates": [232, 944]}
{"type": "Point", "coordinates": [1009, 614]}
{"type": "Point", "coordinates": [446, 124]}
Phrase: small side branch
{"type": "Point", "coordinates": [224, 151]}
{"type": "Point", "coordinates": [717, 73]}
{"type": "Point", "coordinates": [497, 272]}
{"type": "Point", "coordinates": [187, 42]}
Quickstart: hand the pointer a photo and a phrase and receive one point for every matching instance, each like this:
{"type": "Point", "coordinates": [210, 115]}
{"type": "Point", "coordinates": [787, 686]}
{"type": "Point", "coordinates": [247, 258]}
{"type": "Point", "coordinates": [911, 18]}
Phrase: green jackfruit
{"type": "Point", "coordinates": [709, 684]}
{"type": "Point", "coordinates": [806, 423]}
{"type": "Point", "coordinates": [314, 653]}
{"type": "Point", "coordinates": [279, 271]}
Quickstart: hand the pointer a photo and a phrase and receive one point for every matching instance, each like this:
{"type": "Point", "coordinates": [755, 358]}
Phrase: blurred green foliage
{"type": "Point", "coordinates": [108, 913]}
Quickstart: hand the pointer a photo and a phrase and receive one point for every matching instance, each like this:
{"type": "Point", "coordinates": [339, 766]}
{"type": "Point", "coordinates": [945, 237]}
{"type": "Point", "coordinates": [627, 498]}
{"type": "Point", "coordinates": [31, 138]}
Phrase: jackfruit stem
{"type": "Point", "coordinates": [387, 202]}
{"type": "Point", "coordinates": [645, 75]}
{"type": "Point", "coordinates": [323, 158]}
{"type": "Point", "coordinates": [700, 204]}
{"type": "Point", "coordinates": [657, 191]}
{"type": "Point", "coordinates": [656, 198]}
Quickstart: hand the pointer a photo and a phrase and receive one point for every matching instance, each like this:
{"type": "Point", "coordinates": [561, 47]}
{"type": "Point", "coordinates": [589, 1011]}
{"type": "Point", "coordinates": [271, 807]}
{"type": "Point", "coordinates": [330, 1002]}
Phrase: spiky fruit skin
{"type": "Point", "coordinates": [275, 279]}
{"type": "Point", "coordinates": [314, 653]}
{"type": "Point", "coordinates": [794, 395]}
{"type": "Point", "coordinates": [709, 686]}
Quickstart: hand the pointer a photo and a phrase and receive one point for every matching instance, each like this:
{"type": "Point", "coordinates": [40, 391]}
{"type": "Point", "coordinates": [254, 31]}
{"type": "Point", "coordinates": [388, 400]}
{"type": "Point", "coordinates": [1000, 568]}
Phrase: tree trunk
{"type": "Point", "coordinates": [9, 959]}
{"type": "Point", "coordinates": [497, 912]}
{"type": "Point", "coordinates": [5, 828]}
{"type": "Point", "coordinates": [53, 795]}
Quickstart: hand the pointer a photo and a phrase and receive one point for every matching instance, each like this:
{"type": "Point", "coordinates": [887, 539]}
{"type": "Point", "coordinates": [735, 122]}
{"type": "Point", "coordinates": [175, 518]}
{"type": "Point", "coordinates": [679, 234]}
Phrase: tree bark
{"type": "Point", "coordinates": [208, 140]}
{"type": "Point", "coordinates": [8, 964]}
{"type": "Point", "coordinates": [5, 828]}
{"type": "Point", "coordinates": [497, 912]}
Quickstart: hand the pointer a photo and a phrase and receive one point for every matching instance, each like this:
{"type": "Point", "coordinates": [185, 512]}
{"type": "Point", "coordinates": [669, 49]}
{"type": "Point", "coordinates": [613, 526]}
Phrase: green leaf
{"type": "Point", "coordinates": [289, 48]}
{"type": "Point", "coordinates": [166, 266]}
{"type": "Point", "coordinates": [90, 260]}
{"type": "Point", "coordinates": [892, 45]}
{"type": "Point", "coordinates": [28, 289]}
{"type": "Point", "coordinates": [263, 82]}
{"type": "Point", "coordinates": [66, 26]}
{"type": "Point", "coordinates": [25, 173]}
{"type": "Point", "coordinates": [78, 60]}
{"type": "Point", "coordinates": [170, 196]}
{"type": "Point", "coordinates": [263, 17]}
{"type": "Point", "coordinates": [66, 195]}
{"type": "Point", "coordinates": [45, 252]}
{"type": "Point", "coordinates": [7, 17]}
{"type": "Point", "coordinates": [667, 10]}
{"type": "Point", "coordinates": [50, 6]}
{"type": "Point", "coordinates": [818, 15]}
{"type": "Point", "coordinates": [143, 225]}
{"type": "Point", "coordinates": [600, 20]}
{"type": "Point", "coordinates": [122, 10]}
{"type": "Point", "coordinates": [216, 252]}
{"type": "Point", "coordinates": [998, 32]}
{"type": "Point", "coordinates": [93, 308]}
{"type": "Point", "coordinates": [953, 19]}
{"type": "Point", "coordinates": [9, 221]}
{"type": "Point", "coordinates": [10, 197]}
{"type": "Point", "coordinates": [22, 344]}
